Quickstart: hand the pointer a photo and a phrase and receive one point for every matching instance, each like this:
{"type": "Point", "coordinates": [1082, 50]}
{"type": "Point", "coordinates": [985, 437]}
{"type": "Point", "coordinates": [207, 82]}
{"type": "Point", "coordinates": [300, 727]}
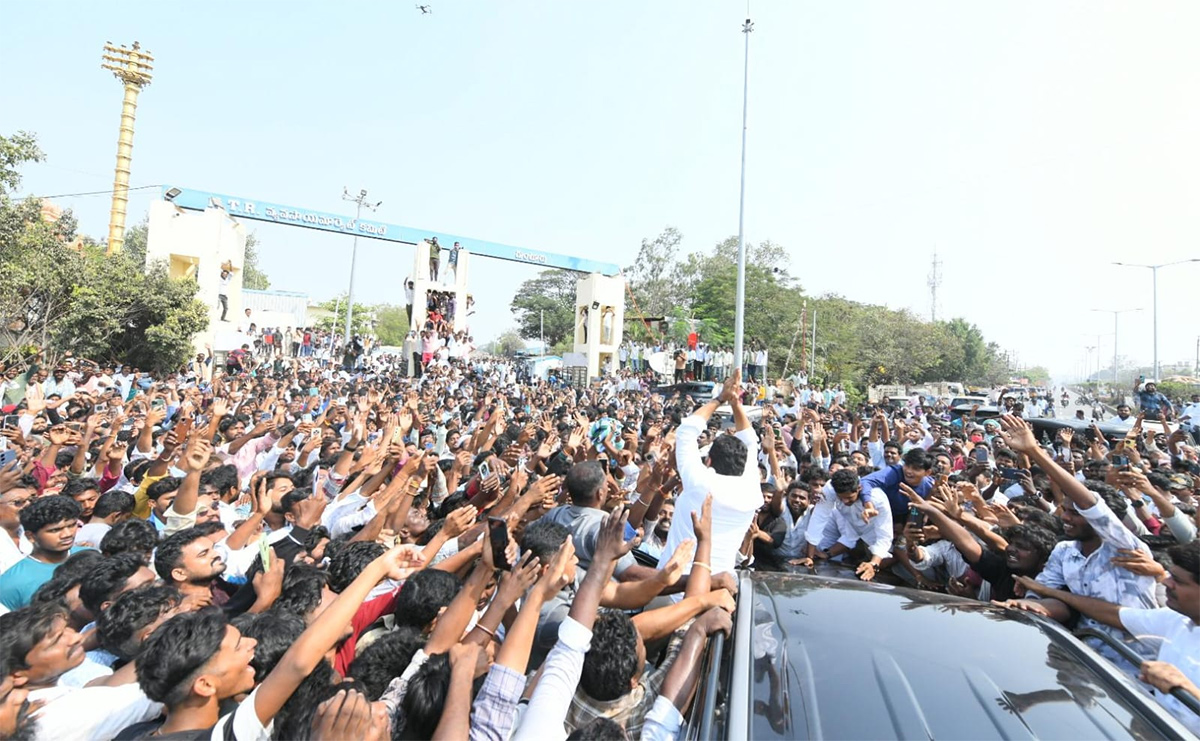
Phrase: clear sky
{"type": "Point", "coordinates": [1029, 143]}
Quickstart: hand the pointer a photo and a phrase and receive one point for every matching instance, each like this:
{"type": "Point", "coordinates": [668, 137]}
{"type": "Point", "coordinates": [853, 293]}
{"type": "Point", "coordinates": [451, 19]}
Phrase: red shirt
{"type": "Point", "coordinates": [368, 613]}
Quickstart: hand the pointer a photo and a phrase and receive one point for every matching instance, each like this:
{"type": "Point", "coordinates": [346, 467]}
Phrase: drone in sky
{"type": "Point", "coordinates": [425, 9]}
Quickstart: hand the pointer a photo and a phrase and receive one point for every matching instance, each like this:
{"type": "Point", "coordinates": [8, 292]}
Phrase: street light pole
{"type": "Point", "coordinates": [1116, 318]}
{"type": "Point", "coordinates": [1154, 273]}
{"type": "Point", "coordinates": [360, 200]}
{"type": "Point", "coordinates": [739, 316]}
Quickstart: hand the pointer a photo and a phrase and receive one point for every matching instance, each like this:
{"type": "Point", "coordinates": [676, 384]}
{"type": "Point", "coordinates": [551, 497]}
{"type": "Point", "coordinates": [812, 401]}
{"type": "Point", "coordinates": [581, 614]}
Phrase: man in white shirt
{"type": "Point", "coordinates": [729, 473]}
{"type": "Point", "coordinates": [852, 522]}
{"type": "Point", "coordinates": [1189, 417]}
{"type": "Point", "coordinates": [1177, 663]}
{"type": "Point", "coordinates": [14, 546]}
{"type": "Point", "coordinates": [223, 292]}
{"type": "Point", "coordinates": [760, 364]}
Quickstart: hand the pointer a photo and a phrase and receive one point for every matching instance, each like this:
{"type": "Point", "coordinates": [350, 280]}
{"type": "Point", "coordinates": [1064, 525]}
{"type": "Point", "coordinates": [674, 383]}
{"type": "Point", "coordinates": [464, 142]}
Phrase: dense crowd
{"type": "Point", "coordinates": [442, 546]}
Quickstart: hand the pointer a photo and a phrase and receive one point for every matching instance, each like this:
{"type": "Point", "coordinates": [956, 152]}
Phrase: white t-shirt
{"type": "Point", "coordinates": [91, 712]}
{"type": "Point", "coordinates": [11, 552]}
{"type": "Point", "coordinates": [246, 725]}
{"type": "Point", "coordinates": [1192, 411]}
{"type": "Point", "coordinates": [90, 535]}
{"type": "Point", "coordinates": [1180, 647]}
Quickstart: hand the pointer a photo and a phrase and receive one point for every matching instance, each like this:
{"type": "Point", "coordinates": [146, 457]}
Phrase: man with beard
{"type": "Point", "coordinates": [188, 561]}
{"type": "Point", "coordinates": [656, 538]}
{"type": "Point", "coordinates": [793, 507]}
{"type": "Point", "coordinates": [1095, 535]}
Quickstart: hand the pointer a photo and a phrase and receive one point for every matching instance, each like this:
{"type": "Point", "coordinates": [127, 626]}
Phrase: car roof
{"type": "Point", "coordinates": [838, 658]}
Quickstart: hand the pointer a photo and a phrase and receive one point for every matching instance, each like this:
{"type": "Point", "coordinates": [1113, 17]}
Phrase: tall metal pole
{"type": "Point", "coordinates": [132, 67]}
{"type": "Point", "coordinates": [740, 315]}
{"type": "Point", "coordinates": [813, 365]}
{"type": "Point", "coordinates": [542, 329]}
{"type": "Point", "coordinates": [1116, 323]}
{"type": "Point", "coordinates": [1154, 272]}
{"type": "Point", "coordinates": [353, 262]}
{"type": "Point", "coordinates": [337, 309]}
{"type": "Point", "coordinates": [360, 200]}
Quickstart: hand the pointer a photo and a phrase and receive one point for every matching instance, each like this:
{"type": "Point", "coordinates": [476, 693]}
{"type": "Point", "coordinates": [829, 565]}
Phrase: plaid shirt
{"type": "Point", "coordinates": [1095, 576]}
{"type": "Point", "coordinates": [495, 710]}
{"type": "Point", "coordinates": [630, 709]}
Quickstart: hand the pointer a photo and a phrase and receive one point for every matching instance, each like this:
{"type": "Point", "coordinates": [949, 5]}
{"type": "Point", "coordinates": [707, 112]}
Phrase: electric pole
{"type": "Point", "coordinates": [132, 67]}
{"type": "Point", "coordinates": [935, 280]}
{"type": "Point", "coordinates": [360, 200]}
{"type": "Point", "coordinates": [740, 309]}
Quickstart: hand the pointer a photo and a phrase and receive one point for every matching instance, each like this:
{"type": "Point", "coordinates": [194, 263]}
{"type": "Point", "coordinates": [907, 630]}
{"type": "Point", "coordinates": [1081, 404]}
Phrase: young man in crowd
{"type": "Point", "coordinates": [264, 501]}
{"type": "Point", "coordinates": [50, 524]}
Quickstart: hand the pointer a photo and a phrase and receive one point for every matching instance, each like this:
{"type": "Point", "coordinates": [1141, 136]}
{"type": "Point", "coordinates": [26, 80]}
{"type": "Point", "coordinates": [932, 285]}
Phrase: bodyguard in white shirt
{"type": "Point", "coordinates": [729, 473]}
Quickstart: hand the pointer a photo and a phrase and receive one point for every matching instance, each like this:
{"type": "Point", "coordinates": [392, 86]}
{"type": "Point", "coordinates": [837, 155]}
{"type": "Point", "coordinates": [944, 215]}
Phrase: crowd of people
{"type": "Point", "coordinates": [302, 550]}
{"type": "Point", "coordinates": [695, 360]}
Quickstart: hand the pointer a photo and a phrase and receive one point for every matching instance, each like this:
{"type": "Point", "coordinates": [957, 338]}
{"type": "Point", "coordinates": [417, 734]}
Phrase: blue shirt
{"type": "Point", "coordinates": [18, 584]}
{"type": "Point", "coordinates": [889, 479]}
{"type": "Point", "coordinates": [1152, 403]}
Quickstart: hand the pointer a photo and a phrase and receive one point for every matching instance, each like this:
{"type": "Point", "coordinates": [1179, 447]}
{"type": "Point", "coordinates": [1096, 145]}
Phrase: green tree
{"type": "Point", "coordinates": [546, 301]}
{"type": "Point", "coordinates": [508, 344]}
{"type": "Point", "coordinates": [335, 318]}
{"type": "Point", "coordinates": [252, 275]}
{"type": "Point", "coordinates": [1037, 375]}
{"type": "Point", "coordinates": [136, 238]}
{"type": "Point", "coordinates": [57, 298]}
{"type": "Point", "coordinates": [391, 324]}
{"type": "Point", "coordinates": [649, 278]}
{"type": "Point", "coordinates": [15, 151]}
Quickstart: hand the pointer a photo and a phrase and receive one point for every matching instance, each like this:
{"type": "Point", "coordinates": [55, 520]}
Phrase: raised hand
{"type": "Point", "coordinates": [401, 561]}
{"type": "Point", "coordinates": [1138, 562]}
{"type": "Point", "coordinates": [554, 577]}
{"type": "Point", "coordinates": [268, 585]}
{"type": "Point", "coordinates": [460, 520]}
{"type": "Point", "coordinates": [702, 522]}
{"type": "Point", "coordinates": [516, 581]}
{"type": "Point", "coordinates": [345, 715]}
{"type": "Point", "coordinates": [1018, 434]}
{"type": "Point", "coordinates": [672, 571]}
{"type": "Point", "coordinates": [610, 544]}
{"type": "Point", "coordinates": [198, 453]}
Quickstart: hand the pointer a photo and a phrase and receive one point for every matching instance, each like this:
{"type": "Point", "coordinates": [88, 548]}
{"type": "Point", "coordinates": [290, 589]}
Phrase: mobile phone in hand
{"type": "Point", "coordinates": [914, 516]}
{"type": "Point", "coordinates": [485, 471]}
{"type": "Point", "coordinates": [980, 454]}
{"type": "Point", "coordinates": [498, 534]}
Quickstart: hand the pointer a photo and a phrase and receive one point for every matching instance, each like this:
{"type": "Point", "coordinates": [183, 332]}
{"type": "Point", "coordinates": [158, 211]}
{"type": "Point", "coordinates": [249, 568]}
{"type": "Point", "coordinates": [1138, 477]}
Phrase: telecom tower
{"type": "Point", "coordinates": [935, 280]}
